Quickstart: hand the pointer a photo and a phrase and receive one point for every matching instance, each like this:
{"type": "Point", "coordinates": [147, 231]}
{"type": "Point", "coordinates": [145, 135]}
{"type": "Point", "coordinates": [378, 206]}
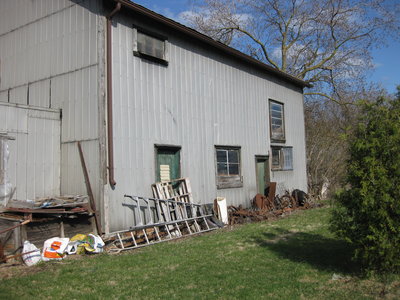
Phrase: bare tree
{"type": "Point", "coordinates": [328, 128]}
{"type": "Point", "coordinates": [324, 42]}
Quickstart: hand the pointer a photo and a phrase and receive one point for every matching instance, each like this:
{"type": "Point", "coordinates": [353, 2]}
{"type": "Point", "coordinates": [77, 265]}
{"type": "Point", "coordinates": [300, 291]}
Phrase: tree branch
{"type": "Point", "coordinates": [257, 41]}
{"type": "Point", "coordinates": [328, 97]}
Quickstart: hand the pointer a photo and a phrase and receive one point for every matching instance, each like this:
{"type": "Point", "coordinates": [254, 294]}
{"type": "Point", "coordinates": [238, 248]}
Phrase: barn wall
{"type": "Point", "coordinates": [49, 61]}
{"type": "Point", "coordinates": [52, 61]}
{"type": "Point", "coordinates": [34, 161]}
{"type": "Point", "coordinates": [200, 100]}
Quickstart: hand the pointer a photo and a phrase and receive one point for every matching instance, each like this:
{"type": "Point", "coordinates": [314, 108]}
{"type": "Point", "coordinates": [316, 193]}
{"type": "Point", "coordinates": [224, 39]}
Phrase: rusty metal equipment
{"type": "Point", "coordinates": [267, 207]}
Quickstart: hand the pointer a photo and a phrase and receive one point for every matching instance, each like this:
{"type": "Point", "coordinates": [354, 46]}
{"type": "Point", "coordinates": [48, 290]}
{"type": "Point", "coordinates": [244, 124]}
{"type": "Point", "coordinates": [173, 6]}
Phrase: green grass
{"type": "Point", "coordinates": [291, 258]}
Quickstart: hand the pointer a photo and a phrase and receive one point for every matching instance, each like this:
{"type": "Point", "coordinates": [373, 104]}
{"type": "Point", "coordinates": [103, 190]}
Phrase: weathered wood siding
{"type": "Point", "coordinates": [201, 99]}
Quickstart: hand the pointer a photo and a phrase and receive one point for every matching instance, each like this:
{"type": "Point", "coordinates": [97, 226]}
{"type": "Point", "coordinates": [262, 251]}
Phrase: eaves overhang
{"type": "Point", "coordinates": [210, 42]}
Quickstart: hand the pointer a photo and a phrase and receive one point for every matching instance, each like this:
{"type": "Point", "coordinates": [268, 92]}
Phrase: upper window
{"type": "Point", "coordinates": [277, 122]}
{"type": "Point", "coordinates": [282, 158]}
{"type": "Point", "coordinates": [149, 46]}
{"type": "Point", "coordinates": [228, 167]}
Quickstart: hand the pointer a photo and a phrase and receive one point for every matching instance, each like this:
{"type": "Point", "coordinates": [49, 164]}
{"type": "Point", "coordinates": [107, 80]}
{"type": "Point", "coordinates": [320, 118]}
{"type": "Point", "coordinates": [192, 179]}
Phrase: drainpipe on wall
{"type": "Point", "coordinates": [109, 97]}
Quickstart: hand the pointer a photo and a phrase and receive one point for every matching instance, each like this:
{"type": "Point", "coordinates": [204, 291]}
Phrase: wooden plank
{"type": "Point", "coordinates": [37, 233]}
{"type": "Point", "coordinates": [7, 239]}
{"type": "Point", "coordinates": [47, 210]}
{"type": "Point", "coordinates": [89, 190]}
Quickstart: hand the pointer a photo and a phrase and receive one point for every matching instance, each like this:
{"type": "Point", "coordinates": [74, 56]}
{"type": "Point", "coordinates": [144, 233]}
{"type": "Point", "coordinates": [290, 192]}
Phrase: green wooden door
{"type": "Point", "coordinates": [168, 163]}
{"type": "Point", "coordinates": [262, 174]}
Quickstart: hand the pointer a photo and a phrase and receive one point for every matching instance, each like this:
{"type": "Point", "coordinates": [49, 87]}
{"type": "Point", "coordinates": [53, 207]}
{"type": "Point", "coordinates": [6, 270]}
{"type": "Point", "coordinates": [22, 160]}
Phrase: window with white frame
{"type": "Point", "coordinates": [277, 121]}
{"type": "Point", "coordinates": [150, 45]}
{"type": "Point", "coordinates": [228, 167]}
{"type": "Point", "coordinates": [282, 158]}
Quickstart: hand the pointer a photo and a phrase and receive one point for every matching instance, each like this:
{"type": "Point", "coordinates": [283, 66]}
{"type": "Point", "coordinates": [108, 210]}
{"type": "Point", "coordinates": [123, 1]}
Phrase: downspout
{"type": "Point", "coordinates": [109, 98]}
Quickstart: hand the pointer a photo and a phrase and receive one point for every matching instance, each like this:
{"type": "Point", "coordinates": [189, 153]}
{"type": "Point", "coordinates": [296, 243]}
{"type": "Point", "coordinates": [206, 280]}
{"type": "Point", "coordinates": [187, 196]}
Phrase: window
{"type": "Point", "coordinates": [282, 158]}
{"type": "Point", "coordinates": [228, 167]}
{"type": "Point", "coordinates": [150, 46]}
{"type": "Point", "coordinates": [277, 123]}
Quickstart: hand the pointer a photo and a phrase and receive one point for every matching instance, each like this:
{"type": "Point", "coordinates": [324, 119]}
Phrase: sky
{"type": "Point", "coordinates": [386, 59]}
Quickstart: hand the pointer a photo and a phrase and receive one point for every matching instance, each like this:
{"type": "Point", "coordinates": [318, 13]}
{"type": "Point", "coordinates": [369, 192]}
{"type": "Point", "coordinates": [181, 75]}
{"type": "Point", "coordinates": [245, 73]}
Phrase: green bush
{"type": "Point", "coordinates": [367, 212]}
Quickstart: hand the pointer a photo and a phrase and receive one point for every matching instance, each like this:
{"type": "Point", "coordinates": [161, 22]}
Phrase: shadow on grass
{"type": "Point", "coordinates": [325, 254]}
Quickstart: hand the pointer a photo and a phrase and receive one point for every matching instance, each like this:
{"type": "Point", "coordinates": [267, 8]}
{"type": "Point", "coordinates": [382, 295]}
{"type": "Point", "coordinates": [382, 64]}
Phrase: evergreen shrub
{"type": "Point", "coordinates": [367, 211]}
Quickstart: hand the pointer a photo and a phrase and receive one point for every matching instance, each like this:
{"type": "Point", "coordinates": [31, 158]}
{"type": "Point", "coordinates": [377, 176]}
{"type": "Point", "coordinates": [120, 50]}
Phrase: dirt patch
{"type": "Point", "coordinates": [18, 269]}
{"type": "Point", "coordinates": [308, 279]}
{"type": "Point", "coordinates": [282, 237]}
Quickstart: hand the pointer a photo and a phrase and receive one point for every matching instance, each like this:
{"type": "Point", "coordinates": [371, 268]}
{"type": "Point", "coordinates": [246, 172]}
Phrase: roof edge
{"type": "Point", "coordinates": [211, 42]}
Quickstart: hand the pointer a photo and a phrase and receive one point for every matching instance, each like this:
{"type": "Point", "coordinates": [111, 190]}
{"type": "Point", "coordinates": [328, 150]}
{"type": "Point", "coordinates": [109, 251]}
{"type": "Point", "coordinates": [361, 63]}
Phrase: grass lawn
{"type": "Point", "coordinates": [292, 258]}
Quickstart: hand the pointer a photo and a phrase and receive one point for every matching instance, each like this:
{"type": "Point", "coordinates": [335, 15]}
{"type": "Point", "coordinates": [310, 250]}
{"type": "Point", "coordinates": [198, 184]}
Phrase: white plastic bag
{"type": "Point", "coordinates": [98, 243]}
{"type": "Point", "coordinates": [33, 257]}
{"type": "Point", "coordinates": [54, 248]}
{"type": "Point", "coordinates": [72, 247]}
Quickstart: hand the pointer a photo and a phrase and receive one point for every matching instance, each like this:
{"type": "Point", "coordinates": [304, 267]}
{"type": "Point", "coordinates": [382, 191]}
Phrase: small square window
{"type": "Point", "coordinates": [228, 167]}
{"type": "Point", "coordinates": [277, 122]}
{"type": "Point", "coordinates": [282, 158]}
{"type": "Point", "coordinates": [149, 46]}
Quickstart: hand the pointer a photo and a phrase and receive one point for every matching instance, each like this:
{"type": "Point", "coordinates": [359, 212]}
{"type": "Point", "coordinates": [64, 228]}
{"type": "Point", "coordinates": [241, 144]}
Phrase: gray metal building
{"type": "Point", "coordinates": [148, 98]}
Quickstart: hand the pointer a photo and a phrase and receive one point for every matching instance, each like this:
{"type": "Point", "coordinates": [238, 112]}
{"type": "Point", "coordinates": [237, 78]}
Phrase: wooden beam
{"type": "Point", "coordinates": [89, 190]}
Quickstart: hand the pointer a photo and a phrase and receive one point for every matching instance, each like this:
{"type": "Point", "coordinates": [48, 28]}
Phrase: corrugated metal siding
{"type": "Point", "coordinates": [21, 12]}
{"type": "Point", "coordinates": [80, 108]}
{"type": "Point", "coordinates": [76, 93]}
{"type": "Point", "coordinates": [73, 181]}
{"type": "Point", "coordinates": [39, 94]}
{"type": "Point", "coordinates": [201, 99]}
{"type": "Point", "coordinates": [42, 39]}
{"type": "Point", "coordinates": [49, 59]}
{"type": "Point", "coordinates": [34, 163]}
{"type": "Point", "coordinates": [19, 95]}
{"type": "Point", "coordinates": [295, 136]}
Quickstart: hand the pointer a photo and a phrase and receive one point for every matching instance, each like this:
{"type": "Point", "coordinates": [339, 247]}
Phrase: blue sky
{"type": "Point", "coordinates": [387, 66]}
{"type": "Point", "coordinates": [386, 59]}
